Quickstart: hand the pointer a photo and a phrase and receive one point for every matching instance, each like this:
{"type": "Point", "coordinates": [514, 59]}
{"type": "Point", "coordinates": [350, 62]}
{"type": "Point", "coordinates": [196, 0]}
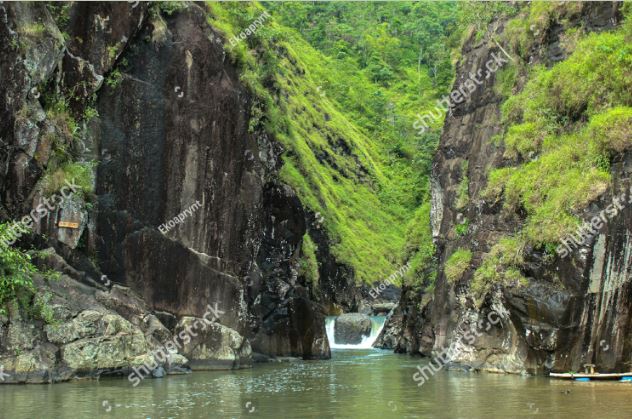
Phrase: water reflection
{"type": "Point", "coordinates": [354, 384]}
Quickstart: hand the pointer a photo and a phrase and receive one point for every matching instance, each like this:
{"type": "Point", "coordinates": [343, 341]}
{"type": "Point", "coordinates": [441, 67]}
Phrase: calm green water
{"type": "Point", "coordinates": [354, 384]}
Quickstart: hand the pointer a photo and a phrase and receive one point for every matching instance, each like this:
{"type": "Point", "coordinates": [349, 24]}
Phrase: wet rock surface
{"type": "Point", "coordinates": [195, 146]}
{"type": "Point", "coordinates": [80, 337]}
{"type": "Point", "coordinates": [351, 328]}
{"type": "Point", "coordinates": [574, 310]}
{"type": "Point", "coordinates": [391, 333]}
{"type": "Point", "coordinates": [213, 346]}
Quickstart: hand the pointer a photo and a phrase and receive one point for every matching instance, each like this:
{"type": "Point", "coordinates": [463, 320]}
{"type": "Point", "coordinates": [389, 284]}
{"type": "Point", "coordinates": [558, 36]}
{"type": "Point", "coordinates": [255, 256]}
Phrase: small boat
{"type": "Point", "coordinates": [625, 376]}
{"type": "Point", "coordinates": [590, 374]}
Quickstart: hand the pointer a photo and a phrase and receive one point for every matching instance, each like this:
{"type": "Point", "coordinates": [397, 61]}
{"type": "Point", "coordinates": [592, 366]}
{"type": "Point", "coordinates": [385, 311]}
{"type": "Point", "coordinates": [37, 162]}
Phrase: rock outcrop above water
{"type": "Point", "coordinates": [548, 324]}
{"type": "Point", "coordinates": [84, 332]}
{"type": "Point", "coordinates": [214, 346]}
{"type": "Point", "coordinates": [351, 328]}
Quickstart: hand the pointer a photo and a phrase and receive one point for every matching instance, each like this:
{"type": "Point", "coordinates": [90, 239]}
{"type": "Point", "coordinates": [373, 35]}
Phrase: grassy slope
{"type": "Point", "coordinates": [343, 163]}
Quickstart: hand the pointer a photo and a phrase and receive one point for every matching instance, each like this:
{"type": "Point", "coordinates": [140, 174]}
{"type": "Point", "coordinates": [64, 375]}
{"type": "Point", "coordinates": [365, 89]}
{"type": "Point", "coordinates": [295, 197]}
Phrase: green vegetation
{"type": "Point", "coordinates": [16, 283]}
{"type": "Point", "coordinates": [16, 270]}
{"type": "Point", "coordinates": [522, 140]}
{"type": "Point", "coordinates": [574, 117]}
{"type": "Point", "coordinates": [419, 250]}
{"type": "Point", "coordinates": [476, 16]}
{"type": "Point", "coordinates": [63, 165]}
{"type": "Point", "coordinates": [309, 262]}
{"type": "Point", "coordinates": [33, 29]}
{"type": "Point", "coordinates": [611, 131]}
{"type": "Point", "coordinates": [341, 96]}
{"type": "Point", "coordinates": [80, 174]}
{"type": "Point", "coordinates": [170, 7]}
{"type": "Point", "coordinates": [114, 78]}
{"type": "Point", "coordinates": [562, 131]}
{"type": "Point", "coordinates": [502, 265]}
{"type": "Point", "coordinates": [457, 264]}
{"type": "Point", "coordinates": [506, 80]}
{"type": "Point", "coordinates": [531, 26]}
{"type": "Point", "coordinates": [462, 228]}
{"type": "Point", "coordinates": [60, 11]}
{"type": "Point", "coordinates": [112, 51]}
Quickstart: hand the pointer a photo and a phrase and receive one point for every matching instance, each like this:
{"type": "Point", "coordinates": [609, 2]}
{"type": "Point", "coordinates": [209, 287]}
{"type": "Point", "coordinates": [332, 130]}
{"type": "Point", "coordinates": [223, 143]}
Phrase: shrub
{"type": "Point", "coordinates": [522, 140]}
{"type": "Point", "coordinates": [81, 174]}
{"type": "Point", "coordinates": [612, 130]}
{"type": "Point", "coordinates": [457, 264]}
{"type": "Point", "coordinates": [16, 270]}
{"type": "Point", "coordinates": [502, 265]}
{"type": "Point", "coordinates": [309, 262]}
{"type": "Point", "coordinates": [505, 80]}
{"type": "Point", "coordinates": [461, 229]}
{"type": "Point", "coordinates": [114, 78]}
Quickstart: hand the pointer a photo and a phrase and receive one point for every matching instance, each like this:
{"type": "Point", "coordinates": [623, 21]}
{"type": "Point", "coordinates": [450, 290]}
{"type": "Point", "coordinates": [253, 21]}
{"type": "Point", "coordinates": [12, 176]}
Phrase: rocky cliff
{"type": "Point", "coordinates": [142, 103]}
{"type": "Point", "coordinates": [565, 312]}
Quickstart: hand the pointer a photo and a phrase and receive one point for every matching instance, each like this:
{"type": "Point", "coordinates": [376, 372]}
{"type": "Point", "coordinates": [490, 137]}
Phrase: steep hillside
{"type": "Point", "coordinates": [346, 122]}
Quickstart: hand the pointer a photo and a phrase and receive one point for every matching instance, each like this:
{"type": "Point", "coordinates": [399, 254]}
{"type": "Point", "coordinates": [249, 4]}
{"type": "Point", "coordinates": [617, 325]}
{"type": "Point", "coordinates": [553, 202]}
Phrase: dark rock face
{"type": "Point", "coordinates": [27, 61]}
{"type": "Point", "coordinates": [351, 328]}
{"type": "Point", "coordinates": [390, 335]}
{"type": "Point", "coordinates": [337, 289]}
{"type": "Point", "coordinates": [98, 34]}
{"type": "Point", "coordinates": [291, 322]}
{"type": "Point", "coordinates": [173, 131]}
{"type": "Point", "coordinates": [542, 326]}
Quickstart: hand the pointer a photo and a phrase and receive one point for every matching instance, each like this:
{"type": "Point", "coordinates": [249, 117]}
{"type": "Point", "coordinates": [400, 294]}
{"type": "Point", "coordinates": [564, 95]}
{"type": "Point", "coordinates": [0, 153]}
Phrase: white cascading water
{"type": "Point", "coordinates": [377, 324]}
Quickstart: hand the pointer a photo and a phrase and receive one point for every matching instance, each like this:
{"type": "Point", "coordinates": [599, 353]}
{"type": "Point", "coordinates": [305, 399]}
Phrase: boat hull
{"type": "Point", "coordinates": [571, 376]}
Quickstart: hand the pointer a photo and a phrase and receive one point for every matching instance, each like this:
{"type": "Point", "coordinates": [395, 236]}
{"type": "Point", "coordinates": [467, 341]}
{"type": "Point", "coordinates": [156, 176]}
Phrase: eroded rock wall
{"type": "Point", "coordinates": [173, 130]}
{"type": "Point", "coordinates": [546, 325]}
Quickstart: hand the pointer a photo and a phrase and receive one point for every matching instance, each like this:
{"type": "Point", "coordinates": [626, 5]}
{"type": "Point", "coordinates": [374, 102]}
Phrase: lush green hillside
{"type": "Point", "coordinates": [342, 102]}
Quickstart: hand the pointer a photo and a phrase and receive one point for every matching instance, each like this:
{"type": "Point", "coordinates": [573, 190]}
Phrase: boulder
{"type": "Point", "coordinates": [212, 346]}
{"type": "Point", "coordinates": [113, 344]}
{"type": "Point", "coordinates": [80, 337]}
{"type": "Point", "coordinates": [382, 308]}
{"type": "Point", "coordinates": [350, 328]}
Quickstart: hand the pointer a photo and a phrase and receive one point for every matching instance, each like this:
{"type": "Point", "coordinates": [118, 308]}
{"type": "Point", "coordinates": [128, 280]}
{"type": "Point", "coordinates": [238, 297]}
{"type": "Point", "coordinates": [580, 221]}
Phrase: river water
{"type": "Point", "coordinates": [353, 384]}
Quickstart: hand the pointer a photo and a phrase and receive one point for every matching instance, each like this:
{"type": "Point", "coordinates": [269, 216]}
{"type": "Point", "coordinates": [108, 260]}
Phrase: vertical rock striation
{"type": "Point", "coordinates": [550, 324]}
{"type": "Point", "coordinates": [173, 139]}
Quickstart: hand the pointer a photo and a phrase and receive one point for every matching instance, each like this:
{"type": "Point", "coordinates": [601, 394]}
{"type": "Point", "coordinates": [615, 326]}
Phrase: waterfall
{"type": "Point", "coordinates": [377, 324]}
